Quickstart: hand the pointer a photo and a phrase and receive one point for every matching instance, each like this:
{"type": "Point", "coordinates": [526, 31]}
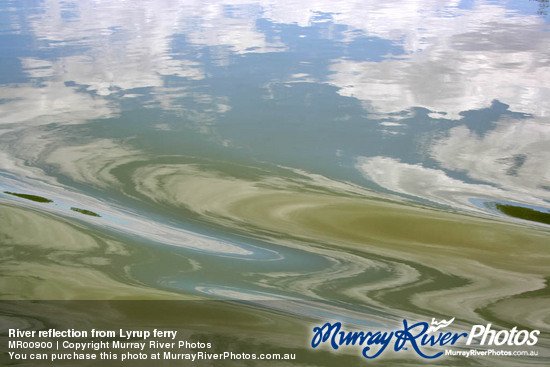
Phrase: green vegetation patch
{"type": "Point", "coordinates": [36, 198]}
{"type": "Point", "coordinates": [524, 213]}
{"type": "Point", "coordinates": [84, 211]}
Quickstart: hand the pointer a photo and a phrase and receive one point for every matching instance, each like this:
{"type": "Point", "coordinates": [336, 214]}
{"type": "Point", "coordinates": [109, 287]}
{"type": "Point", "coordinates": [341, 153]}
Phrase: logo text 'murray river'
{"type": "Point", "coordinates": [416, 336]}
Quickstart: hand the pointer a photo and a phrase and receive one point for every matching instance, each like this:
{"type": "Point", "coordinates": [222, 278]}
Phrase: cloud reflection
{"type": "Point", "coordinates": [453, 58]}
{"type": "Point", "coordinates": [456, 74]}
{"type": "Point", "coordinates": [514, 156]}
{"type": "Point", "coordinates": [52, 102]}
{"type": "Point", "coordinates": [511, 162]}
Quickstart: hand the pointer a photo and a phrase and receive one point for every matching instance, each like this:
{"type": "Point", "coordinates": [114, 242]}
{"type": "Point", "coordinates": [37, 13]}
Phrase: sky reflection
{"type": "Point", "coordinates": [333, 85]}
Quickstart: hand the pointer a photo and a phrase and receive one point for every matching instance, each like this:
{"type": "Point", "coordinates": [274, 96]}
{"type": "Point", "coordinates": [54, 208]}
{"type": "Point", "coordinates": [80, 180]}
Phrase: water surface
{"type": "Point", "coordinates": [366, 162]}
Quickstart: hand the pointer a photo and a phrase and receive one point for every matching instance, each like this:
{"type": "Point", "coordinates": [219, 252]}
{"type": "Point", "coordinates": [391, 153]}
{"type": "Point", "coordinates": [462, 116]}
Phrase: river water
{"type": "Point", "coordinates": [316, 160]}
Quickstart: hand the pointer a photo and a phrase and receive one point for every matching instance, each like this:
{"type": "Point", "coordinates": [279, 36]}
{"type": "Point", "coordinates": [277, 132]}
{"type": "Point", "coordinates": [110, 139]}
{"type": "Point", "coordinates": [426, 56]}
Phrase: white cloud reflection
{"type": "Point", "coordinates": [512, 162]}
{"type": "Point", "coordinates": [513, 156]}
{"type": "Point", "coordinates": [458, 72]}
{"type": "Point", "coordinates": [52, 102]}
{"type": "Point", "coordinates": [454, 60]}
